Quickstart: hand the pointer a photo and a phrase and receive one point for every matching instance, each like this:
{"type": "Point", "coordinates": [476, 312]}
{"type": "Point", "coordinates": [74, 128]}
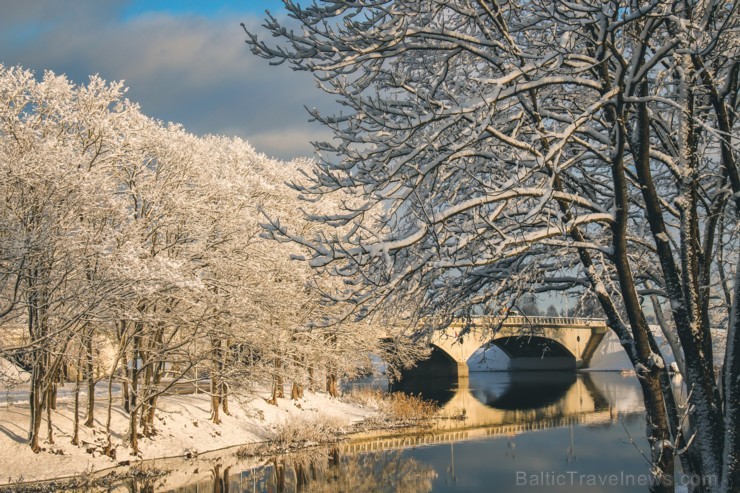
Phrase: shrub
{"type": "Point", "coordinates": [396, 407]}
{"type": "Point", "coordinates": [301, 431]}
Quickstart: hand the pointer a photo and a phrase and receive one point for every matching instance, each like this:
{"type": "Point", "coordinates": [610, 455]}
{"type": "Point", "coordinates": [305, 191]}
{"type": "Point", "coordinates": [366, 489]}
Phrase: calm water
{"type": "Point", "coordinates": [539, 431]}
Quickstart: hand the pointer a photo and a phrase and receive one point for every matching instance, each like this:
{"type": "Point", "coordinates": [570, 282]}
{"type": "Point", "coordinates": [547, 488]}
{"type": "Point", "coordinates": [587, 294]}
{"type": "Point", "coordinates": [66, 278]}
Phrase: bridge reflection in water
{"type": "Point", "coordinates": [486, 406]}
{"type": "Point", "coordinates": [508, 404]}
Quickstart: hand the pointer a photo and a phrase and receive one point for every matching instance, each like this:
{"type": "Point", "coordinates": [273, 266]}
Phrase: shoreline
{"type": "Point", "coordinates": [231, 452]}
{"type": "Point", "coordinates": [184, 429]}
{"type": "Point", "coordinates": [185, 433]}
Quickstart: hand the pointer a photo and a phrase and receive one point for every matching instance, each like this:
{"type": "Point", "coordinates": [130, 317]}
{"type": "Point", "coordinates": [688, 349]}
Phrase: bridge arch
{"type": "Point", "coordinates": [439, 364]}
{"type": "Point", "coordinates": [532, 343]}
{"type": "Point", "coordinates": [536, 353]}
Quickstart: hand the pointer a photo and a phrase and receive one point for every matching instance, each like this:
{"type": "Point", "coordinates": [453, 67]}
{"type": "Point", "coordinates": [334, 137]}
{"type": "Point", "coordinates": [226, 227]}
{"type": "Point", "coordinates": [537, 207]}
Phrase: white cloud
{"type": "Point", "coordinates": [287, 141]}
{"type": "Point", "coordinates": [184, 68]}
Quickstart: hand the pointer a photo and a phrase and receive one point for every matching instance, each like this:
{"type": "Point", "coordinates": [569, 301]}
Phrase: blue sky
{"type": "Point", "coordinates": [207, 8]}
{"type": "Point", "coordinates": [184, 61]}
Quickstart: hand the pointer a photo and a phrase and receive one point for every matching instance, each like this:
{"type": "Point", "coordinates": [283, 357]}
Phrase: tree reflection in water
{"type": "Point", "coordinates": [329, 471]}
{"type": "Point", "coordinates": [220, 481]}
{"type": "Point", "coordinates": [318, 470]}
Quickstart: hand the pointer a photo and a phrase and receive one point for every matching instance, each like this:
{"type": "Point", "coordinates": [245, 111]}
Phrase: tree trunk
{"type": "Point", "coordinates": [331, 385]}
{"type": "Point", "coordinates": [224, 388]}
{"type": "Point", "coordinates": [109, 413]}
{"type": "Point", "coordinates": [52, 400]}
{"type": "Point", "coordinates": [76, 434]}
{"type": "Point", "coordinates": [49, 428]}
{"type": "Point", "coordinates": [215, 379]}
{"type": "Point", "coordinates": [35, 404]}
{"type": "Point", "coordinates": [134, 379]}
{"type": "Point", "coordinates": [146, 391]}
{"type": "Point", "coordinates": [126, 396]}
{"type": "Point", "coordinates": [90, 421]}
{"type": "Point", "coordinates": [152, 401]}
{"type": "Point", "coordinates": [133, 397]}
{"type": "Point", "coordinates": [215, 399]}
{"type": "Point", "coordinates": [670, 335]}
{"type": "Point", "coordinates": [109, 451]}
{"type": "Point", "coordinates": [150, 413]}
{"type": "Point", "coordinates": [133, 431]}
{"type": "Point", "coordinates": [225, 398]}
{"type": "Point", "coordinates": [279, 385]}
{"type": "Point", "coordinates": [296, 391]}
{"type": "Point", "coordinates": [648, 370]}
{"type": "Point", "coordinates": [731, 396]}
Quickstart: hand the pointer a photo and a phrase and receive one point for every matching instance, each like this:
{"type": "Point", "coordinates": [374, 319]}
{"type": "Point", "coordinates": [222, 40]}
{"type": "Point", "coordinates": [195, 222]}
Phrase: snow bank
{"type": "Point", "coordinates": [183, 427]}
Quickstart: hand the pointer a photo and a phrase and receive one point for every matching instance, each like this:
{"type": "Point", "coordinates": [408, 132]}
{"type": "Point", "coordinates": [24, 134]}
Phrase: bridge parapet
{"type": "Point", "coordinates": [536, 321]}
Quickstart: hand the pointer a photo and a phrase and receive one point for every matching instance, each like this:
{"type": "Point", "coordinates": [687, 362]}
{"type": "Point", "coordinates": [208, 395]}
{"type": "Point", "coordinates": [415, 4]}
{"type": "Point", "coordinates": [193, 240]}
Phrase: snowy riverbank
{"type": "Point", "coordinates": [182, 424]}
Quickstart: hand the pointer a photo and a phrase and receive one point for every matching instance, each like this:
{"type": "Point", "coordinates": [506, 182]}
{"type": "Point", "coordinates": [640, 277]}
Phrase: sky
{"type": "Point", "coordinates": [184, 61]}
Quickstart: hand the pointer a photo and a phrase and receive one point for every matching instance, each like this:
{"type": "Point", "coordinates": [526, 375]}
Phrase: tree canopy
{"type": "Point", "coordinates": [130, 252]}
{"type": "Point", "coordinates": [497, 148]}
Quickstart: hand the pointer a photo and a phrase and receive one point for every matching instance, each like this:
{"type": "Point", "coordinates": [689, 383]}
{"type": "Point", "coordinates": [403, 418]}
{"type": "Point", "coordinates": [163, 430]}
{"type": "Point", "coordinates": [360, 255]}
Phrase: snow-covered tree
{"type": "Point", "coordinates": [130, 250]}
{"type": "Point", "coordinates": [59, 149]}
{"type": "Point", "coordinates": [495, 148]}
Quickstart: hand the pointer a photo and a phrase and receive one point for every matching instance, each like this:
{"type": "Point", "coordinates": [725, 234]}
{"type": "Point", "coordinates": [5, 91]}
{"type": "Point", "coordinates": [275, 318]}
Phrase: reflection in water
{"type": "Point", "coordinates": [505, 390]}
{"type": "Point", "coordinates": [439, 390]}
{"type": "Point", "coordinates": [527, 390]}
{"type": "Point", "coordinates": [516, 401]}
{"type": "Point", "coordinates": [323, 470]}
{"type": "Point", "coordinates": [139, 485]}
{"type": "Point", "coordinates": [535, 421]}
{"type": "Point", "coordinates": [220, 480]}
{"type": "Point", "coordinates": [519, 402]}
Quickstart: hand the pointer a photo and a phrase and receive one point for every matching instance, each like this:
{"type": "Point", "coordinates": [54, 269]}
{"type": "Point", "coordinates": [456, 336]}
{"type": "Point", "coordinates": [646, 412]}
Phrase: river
{"type": "Point", "coordinates": [503, 432]}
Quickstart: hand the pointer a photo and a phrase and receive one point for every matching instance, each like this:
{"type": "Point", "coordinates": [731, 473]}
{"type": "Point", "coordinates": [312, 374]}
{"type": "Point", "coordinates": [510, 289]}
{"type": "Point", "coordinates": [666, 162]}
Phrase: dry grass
{"type": "Point", "coordinates": [146, 477]}
{"type": "Point", "coordinates": [365, 397]}
{"type": "Point", "coordinates": [302, 431]}
{"type": "Point", "coordinates": [405, 407]}
{"type": "Point", "coordinates": [396, 408]}
{"type": "Point", "coordinates": [296, 433]}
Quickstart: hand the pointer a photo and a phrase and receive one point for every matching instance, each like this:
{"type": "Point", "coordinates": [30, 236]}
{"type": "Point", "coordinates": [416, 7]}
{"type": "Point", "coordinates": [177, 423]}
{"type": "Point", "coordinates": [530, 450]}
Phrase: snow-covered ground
{"type": "Point", "coordinates": [183, 426]}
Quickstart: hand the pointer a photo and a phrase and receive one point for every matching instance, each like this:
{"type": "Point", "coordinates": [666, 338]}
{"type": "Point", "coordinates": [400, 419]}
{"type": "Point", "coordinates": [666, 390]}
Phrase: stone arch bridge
{"type": "Point", "coordinates": [532, 343]}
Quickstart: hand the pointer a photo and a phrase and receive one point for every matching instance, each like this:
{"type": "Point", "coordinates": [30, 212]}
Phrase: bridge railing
{"type": "Point", "coordinates": [527, 321]}
{"type": "Point", "coordinates": [524, 320]}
